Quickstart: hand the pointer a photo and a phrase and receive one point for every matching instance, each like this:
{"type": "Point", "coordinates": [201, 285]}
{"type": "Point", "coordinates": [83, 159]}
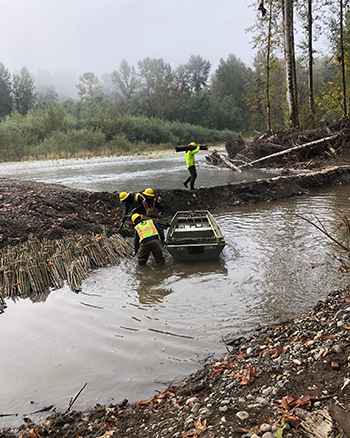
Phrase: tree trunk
{"type": "Point", "coordinates": [310, 56]}
{"type": "Point", "coordinates": [291, 80]}
{"type": "Point", "coordinates": [268, 107]}
{"type": "Point", "coordinates": [226, 161]}
{"type": "Point", "coordinates": [342, 55]}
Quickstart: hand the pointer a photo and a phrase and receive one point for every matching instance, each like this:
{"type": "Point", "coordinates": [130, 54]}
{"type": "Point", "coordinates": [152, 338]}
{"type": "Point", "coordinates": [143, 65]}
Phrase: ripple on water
{"type": "Point", "coordinates": [133, 327]}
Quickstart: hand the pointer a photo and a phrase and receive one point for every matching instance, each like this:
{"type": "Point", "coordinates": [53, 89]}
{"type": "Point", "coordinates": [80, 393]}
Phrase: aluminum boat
{"type": "Point", "coordinates": [194, 235]}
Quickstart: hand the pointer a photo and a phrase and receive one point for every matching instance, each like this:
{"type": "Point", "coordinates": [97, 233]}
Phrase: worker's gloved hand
{"type": "Point", "coordinates": [159, 215]}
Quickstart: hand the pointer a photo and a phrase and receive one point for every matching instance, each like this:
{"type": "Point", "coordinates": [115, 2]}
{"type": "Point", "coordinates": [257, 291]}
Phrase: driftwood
{"type": "Point", "coordinates": [317, 424]}
{"type": "Point", "coordinates": [287, 151]}
{"type": "Point", "coordinates": [218, 159]}
{"type": "Point", "coordinates": [75, 398]}
{"type": "Point", "coordinates": [185, 148]}
{"type": "Point", "coordinates": [341, 418]}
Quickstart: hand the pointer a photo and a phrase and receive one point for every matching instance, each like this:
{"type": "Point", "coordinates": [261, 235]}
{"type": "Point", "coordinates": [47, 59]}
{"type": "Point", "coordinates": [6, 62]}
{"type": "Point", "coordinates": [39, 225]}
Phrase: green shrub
{"type": "Point", "coordinates": [56, 129]}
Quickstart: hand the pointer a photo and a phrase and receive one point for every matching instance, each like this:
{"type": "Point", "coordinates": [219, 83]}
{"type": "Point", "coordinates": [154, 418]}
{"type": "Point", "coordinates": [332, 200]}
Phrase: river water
{"type": "Point", "coordinates": [134, 330]}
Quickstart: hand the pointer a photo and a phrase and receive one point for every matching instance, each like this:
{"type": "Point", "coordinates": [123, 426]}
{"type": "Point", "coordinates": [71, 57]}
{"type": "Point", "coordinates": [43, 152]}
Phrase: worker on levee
{"type": "Point", "coordinates": [191, 165]}
{"type": "Point", "coordinates": [151, 206]}
{"type": "Point", "coordinates": [130, 201]}
{"type": "Point", "coordinates": [147, 239]}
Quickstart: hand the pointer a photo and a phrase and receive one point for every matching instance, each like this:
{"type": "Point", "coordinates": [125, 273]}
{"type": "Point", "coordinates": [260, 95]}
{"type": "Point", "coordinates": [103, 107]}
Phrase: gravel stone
{"type": "Point", "coordinates": [242, 415]}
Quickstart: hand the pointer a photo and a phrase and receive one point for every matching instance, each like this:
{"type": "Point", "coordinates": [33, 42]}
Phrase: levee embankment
{"type": "Point", "coordinates": [251, 192]}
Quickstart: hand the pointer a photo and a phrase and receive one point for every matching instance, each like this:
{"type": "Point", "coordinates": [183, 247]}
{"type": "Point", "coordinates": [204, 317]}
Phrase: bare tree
{"type": "Point", "coordinates": [289, 48]}
{"type": "Point", "coordinates": [342, 55]}
{"type": "Point", "coordinates": [268, 106]}
{"type": "Point", "coordinates": [338, 29]}
{"type": "Point", "coordinates": [310, 58]}
{"type": "Point", "coordinates": [267, 40]}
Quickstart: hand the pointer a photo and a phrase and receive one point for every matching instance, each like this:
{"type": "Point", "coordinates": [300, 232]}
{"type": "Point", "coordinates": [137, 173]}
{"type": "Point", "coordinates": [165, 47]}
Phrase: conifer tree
{"type": "Point", "coordinates": [23, 90]}
{"type": "Point", "coordinates": [6, 100]}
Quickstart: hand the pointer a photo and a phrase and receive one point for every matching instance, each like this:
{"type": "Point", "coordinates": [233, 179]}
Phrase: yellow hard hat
{"type": "Point", "coordinates": [192, 144]}
{"type": "Point", "coordinates": [148, 192]}
{"type": "Point", "coordinates": [135, 216]}
{"type": "Point", "coordinates": [123, 196]}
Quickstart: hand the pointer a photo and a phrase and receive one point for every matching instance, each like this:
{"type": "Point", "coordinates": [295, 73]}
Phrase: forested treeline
{"type": "Point", "coordinates": [288, 85]}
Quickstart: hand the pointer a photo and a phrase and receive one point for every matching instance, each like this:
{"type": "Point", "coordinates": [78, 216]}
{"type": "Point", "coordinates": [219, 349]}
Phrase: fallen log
{"type": "Point", "coordinates": [185, 148]}
{"type": "Point", "coordinates": [341, 418]}
{"type": "Point", "coordinates": [317, 424]}
{"type": "Point", "coordinates": [287, 151]}
{"type": "Point", "coordinates": [228, 162]}
{"type": "Point", "coordinates": [217, 157]}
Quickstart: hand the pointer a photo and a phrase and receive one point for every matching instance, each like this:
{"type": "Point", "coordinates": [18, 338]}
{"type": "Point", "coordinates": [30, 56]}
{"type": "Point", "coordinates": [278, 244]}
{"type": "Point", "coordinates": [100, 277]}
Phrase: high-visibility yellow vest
{"type": "Point", "coordinates": [189, 157]}
{"type": "Point", "coordinates": [145, 229]}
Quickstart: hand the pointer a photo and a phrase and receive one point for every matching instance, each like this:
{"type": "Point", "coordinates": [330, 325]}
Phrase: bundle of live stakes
{"type": "Point", "coordinates": [33, 266]}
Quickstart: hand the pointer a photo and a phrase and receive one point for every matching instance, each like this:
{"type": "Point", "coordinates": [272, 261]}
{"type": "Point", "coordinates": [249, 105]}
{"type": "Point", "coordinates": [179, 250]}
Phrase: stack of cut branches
{"type": "Point", "coordinates": [35, 265]}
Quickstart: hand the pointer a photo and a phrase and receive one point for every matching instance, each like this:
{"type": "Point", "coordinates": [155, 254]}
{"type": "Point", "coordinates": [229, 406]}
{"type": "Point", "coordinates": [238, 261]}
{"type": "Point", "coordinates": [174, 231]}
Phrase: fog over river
{"type": "Point", "coordinates": [134, 330]}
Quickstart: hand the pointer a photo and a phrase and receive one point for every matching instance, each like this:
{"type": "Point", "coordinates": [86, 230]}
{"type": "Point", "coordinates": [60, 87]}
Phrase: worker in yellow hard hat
{"type": "Point", "coordinates": [130, 201]}
{"type": "Point", "coordinates": [150, 205]}
{"type": "Point", "coordinates": [191, 164]}
{"type": "Point", "coordinates": [147, 239]}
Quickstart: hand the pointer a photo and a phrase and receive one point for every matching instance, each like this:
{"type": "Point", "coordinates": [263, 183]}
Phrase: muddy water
{"type": "Point", "coordinates": [108, 174]}
{"type": "Point", "coordinates": [132, 330]}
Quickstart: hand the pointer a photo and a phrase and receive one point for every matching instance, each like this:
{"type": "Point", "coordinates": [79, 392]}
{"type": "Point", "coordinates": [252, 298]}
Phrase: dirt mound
{"type": "Point", "coordinates": [31, 209]}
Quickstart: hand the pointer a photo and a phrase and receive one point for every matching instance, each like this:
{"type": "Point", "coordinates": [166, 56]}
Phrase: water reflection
{"type": "Point", "coordinates": [153, 283]}
{"type": "Point", "coordinates": [151, 294]}
{"type": "Point", "coordinates": [34, 298]}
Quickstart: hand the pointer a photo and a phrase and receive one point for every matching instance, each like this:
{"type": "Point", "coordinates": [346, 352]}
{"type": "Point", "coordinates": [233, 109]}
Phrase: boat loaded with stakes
{"type": "Point", "coordinates": [194, 235]}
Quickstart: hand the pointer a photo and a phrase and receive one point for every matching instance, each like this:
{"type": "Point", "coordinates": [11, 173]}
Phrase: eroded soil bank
{"type": "Point", "coordinates": [30, 209]}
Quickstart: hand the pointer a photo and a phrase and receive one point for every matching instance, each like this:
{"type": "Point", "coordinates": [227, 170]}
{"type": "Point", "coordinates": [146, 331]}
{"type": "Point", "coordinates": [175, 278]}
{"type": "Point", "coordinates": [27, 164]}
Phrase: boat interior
{"type": "Point", "coordinates": [193, 227]}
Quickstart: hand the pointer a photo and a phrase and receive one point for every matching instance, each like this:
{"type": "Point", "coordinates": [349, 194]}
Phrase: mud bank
{"type": "Point", "coordinates": [30, 209]}
{"type": "Point", "coordinates": [251, 192]}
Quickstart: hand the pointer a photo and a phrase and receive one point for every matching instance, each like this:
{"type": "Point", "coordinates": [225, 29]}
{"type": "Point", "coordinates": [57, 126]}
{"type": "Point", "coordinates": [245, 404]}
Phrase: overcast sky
{"type": "Point", "coordinates": [96, 35]}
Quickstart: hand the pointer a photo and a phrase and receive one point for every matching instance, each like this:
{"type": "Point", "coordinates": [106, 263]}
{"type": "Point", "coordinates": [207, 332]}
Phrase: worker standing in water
{"type": "Point", "coordinates": [191, 165]}
{"type": "Point", "coordinates": [147, 239]}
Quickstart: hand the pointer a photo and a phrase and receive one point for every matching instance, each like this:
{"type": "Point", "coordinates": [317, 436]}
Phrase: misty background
{"type": "Point", "coordinates": [59, 40]}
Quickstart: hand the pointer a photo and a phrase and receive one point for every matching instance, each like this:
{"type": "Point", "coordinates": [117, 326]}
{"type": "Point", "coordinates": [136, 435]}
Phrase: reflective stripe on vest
{"type": "Point", "coordinates": [145, 203]}
{"type": "Point", "coordinates": [139, 198]}
{"type": "Point", "coordinates": [146, 229]}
